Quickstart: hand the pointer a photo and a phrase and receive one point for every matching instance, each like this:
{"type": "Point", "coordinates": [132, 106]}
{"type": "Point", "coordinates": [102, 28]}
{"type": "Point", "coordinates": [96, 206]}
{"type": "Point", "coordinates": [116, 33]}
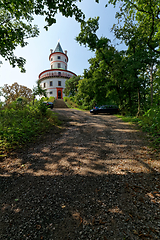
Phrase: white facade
{"type": "Point", "coordinates": [53, 80]}
{"type": "Point", "coordinates": [58, 61]}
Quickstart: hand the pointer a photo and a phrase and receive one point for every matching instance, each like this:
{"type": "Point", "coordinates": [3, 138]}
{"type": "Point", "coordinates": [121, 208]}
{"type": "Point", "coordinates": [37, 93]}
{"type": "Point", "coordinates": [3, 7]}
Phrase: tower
{"type": "Point", "coordinates": [53, 79]}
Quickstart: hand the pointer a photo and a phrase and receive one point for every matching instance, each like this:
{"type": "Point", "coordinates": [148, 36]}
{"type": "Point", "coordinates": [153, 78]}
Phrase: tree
{"type": "Point", "coordinates": [38, 91]}
{"type": "Point", "coordinates": [13, 32]}
{"type": "Point", "coordinates": [11, 93]}
{"type": "Point", "coordinates": [106, 70]}
{"type": "Point", "coordinates": [16, 22]}
{"type": "Point", "coordinates": [142, 54]}
{"type": "Point", "coordinates": [125, 69]}
{"type": "Point", "coordinates": [85, 96]}
{"type": "Point", "coordinates": [87, 35]}
{"type": "Point", "coordinates": [142, 16]}
{"type": "Point", "coordinates": [71, 86]}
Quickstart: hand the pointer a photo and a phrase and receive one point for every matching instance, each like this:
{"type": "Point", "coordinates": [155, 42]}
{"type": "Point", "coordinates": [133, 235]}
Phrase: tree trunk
{"type": "Point", "coordinates": [130, 101]}
{"type": "Point", "coordinates": [33, 99]}
{"type": "Point", "coordinates": [151, 83]}
{"type": "Point", "coordinates": [138, 102]}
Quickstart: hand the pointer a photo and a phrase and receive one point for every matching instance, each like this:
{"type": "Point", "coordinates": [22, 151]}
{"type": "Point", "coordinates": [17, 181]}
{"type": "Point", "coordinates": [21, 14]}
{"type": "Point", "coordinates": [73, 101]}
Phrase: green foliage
{"type": "Point", "coordinates": [19, 126]}
{"type": "Point", "coordinates": [88, 36]}
{"type": "Point", "coordinates": [38, 91]}
{"type": "Point", "coordinates": [71, 86]}
{"type": "Point", "coordinates": [149, 123]}
{"type": "Point", "coordinates": [128, 78]}
{"type": "Point", "coordinates": [85, 97]}
{"type": "Point", "coordinates": [70, 102]}
{"type": "Point", "coordinates": [105, 81]}
{"type": "Point", "coordinates": [16, 19]}
{"type": "Point", "coordinates": [42, 107]}
{"type": "Point", "coordinates": [51, 99]}
{"type": "Point", "coordinates": [139, 20]}
{"type": "Point", "coordinates": [14, 30]}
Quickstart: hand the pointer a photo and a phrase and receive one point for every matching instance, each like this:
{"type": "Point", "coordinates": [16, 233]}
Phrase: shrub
{"type": "Point", "coordinates": [150, 121]}
{"type": "Point", "coordinates": [19, 126]}
{"type": "Point", "coordinates": [70, 102]}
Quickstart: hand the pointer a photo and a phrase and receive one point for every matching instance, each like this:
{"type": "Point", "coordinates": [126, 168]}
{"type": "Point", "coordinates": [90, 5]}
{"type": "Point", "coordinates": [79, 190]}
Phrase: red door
{"type": "Point", "coordinates": [59, 93]}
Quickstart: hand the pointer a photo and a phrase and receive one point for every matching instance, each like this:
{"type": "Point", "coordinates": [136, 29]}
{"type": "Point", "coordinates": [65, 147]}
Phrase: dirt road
{"type": "Point", "coordinates": [95, 180]}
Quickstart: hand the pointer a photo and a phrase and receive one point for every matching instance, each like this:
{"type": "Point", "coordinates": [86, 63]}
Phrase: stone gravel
{"type": "Point", "coordinates": [95, 178]}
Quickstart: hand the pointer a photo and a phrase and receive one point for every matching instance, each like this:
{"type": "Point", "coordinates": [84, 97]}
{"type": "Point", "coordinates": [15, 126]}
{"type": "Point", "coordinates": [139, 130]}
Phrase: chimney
{"type": "Point", "coordinates": [51, 50]}
{"type": "Point", "coordinates": [65, 52]}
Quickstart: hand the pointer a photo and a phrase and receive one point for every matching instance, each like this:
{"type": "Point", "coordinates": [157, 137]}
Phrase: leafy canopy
{"type": "Point", "coordinates": [71, 86]}
{"type": "Point", "coordinates": [140, 18]}
{"type": "Point", "coordinates": [16, 18]}
{"type": "Point", "coordinates": [11, 93]}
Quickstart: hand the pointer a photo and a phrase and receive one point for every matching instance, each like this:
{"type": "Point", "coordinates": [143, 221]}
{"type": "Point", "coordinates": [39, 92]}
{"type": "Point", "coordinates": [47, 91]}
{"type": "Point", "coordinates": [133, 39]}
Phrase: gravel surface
{"type": "Point", "coordinates": [94, 179]}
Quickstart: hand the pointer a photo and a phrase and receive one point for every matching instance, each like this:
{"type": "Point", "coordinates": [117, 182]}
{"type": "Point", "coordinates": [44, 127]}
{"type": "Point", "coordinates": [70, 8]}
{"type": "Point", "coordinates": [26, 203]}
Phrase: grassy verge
{"type": "Point", "coordinates": [150, 124]}
{"type": "Point", "coordinates": [70, 103]}
{"type": "Point", "coordinates": [73, 105]}
{"type": "Point", "coordinates": [23, 125]}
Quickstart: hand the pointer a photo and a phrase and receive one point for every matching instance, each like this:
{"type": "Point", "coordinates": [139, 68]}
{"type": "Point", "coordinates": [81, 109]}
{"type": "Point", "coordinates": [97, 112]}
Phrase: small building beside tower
{"type": "Point", "coordinates": [53, 79]}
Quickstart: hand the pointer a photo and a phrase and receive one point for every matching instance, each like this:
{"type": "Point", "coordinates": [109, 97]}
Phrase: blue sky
{"type": "Point", "coordinates": [66, 29]}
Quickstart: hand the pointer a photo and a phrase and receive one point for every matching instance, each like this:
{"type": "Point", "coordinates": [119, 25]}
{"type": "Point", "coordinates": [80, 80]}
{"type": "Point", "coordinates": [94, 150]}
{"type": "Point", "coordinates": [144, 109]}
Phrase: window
{"type": "Point", "coordinates": [44, 85]}
{"type": "Point", "coordinates": [51, 83]}
{"type": "Point", "coordinates": [58, 57]}
{"type": "Point", "coordinates": [51, 59]}
{"type": "Point", "coordinates": [59, 83]}
{"type": "Point", "coordinates": [65, 67]}
{"type": "Point", "coordinates": [59, 65]}
{"type": "Point", "coordinates": [59, 74]}
{"type": "Point", "coordinates": [50, 93]}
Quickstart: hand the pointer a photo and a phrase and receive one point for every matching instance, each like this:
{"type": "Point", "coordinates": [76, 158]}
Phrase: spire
{"type": "Point", "coordinates": [58, 48]}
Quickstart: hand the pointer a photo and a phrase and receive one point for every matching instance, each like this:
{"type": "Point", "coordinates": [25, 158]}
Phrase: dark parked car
{"type": "Point", "coordinates": [49, 104]}
{"type": "Point", "coordinates": [111, 109]}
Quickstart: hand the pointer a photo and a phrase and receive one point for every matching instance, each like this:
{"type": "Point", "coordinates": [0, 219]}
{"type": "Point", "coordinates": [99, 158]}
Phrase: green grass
{"type": "Point", "coordinates": [23, 125]}
{"type": "Point", "coordinates": [129, 119]}
{"type": "Point", "coordinates": [73, 105]}
{"type": "Point", "coordinates": [149, 123]}
{"type": "Point", "coordinates": [70, 103]}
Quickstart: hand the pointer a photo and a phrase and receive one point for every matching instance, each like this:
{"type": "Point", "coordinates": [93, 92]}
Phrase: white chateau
{"type": "Point", "coordinates": [53, 80]}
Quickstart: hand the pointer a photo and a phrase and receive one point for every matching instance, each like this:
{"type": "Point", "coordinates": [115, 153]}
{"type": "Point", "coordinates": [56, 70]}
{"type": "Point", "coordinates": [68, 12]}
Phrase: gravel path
{"type": "Point", "coordinates": [97, 179]}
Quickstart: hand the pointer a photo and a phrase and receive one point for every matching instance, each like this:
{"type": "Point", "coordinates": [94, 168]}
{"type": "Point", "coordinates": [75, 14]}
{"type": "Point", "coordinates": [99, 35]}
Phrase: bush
{"type": "Point", "coordinates": [150, 122]}
{"type": "Point", "coordinates": [19, 126]}
{"type": "Point", "coordinates": [42, 107]}
{"type": "Point", "coordinates": [70, 102]}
